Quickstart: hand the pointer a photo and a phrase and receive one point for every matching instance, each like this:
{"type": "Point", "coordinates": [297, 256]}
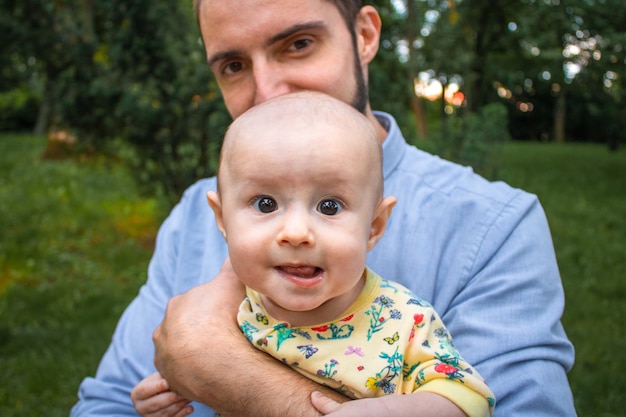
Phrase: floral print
{"type": "Point", "coordinates": [337, 331]}
{"type": "Point", "coordinates": [384, 379]}
{"type": "Point", "coordinates": [376, 313]}
{"type": "Point", "coordinates": [393, 343]}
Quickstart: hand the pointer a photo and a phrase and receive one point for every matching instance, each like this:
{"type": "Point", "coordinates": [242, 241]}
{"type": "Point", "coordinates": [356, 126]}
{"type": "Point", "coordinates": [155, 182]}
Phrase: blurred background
{"type": "Point", "coordinates": [108, 112]}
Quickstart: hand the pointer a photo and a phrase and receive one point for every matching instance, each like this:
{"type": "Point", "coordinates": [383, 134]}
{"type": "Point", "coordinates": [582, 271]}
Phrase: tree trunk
{"type": "Point", "coordinates": [43, 115]}
{"type": "Point", "coordinates": [416, 102]}
{"type": "Point", "coordinates": [417, 105]}
{"type": "Point", "coordinates": [442, 109]}
{"type": "Point", "coordinates": [559, 117]}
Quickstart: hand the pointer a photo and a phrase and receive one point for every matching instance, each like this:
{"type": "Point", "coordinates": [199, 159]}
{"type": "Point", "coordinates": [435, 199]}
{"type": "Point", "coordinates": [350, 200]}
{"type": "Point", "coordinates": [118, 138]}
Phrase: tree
{"type": "Point", "coordinates": [134, 71]}
{"type": "Point", "coordinates": [599, 49]}
{"type": "Point", "coordinates": [557, 73]}
{"type": "Point", "coordinates": [151, 86]}
{"type": "Point", "coordinates": [41, 41]}
{"type": "Point", "coordinates": [129, 70]}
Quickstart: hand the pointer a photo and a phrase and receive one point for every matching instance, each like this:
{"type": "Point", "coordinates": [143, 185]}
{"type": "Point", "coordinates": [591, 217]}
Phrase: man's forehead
{"type": "Point", "coordinates": [244, 14]}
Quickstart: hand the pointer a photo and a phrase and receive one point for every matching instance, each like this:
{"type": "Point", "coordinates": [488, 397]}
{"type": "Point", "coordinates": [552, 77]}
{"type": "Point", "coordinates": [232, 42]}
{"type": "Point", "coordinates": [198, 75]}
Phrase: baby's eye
{"type": "Point", "coordinates": [329, 207]}
{"type": "Point", "coordinates": [265, 204]}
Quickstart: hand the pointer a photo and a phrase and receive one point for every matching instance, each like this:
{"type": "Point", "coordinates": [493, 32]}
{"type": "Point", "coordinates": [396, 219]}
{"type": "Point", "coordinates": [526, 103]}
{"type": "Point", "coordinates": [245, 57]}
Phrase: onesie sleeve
{"type": "Point", "coordinates": [433, 364]}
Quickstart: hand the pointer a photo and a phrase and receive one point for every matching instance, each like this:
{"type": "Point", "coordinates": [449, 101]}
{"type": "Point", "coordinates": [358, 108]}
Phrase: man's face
{"type": "Point", "coordinates": [259, 49]}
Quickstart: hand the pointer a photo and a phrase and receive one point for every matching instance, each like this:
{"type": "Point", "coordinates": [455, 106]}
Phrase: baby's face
{"type": "Point", "coordinates": [297, 209]}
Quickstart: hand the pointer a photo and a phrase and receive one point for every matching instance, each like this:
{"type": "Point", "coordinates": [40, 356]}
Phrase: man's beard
{"type": "Point", "coordinates": [361, 97]}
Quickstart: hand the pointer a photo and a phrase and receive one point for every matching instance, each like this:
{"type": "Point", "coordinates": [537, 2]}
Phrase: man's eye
{"type": "Point", "coordinates": [265, 204]}
{"type": "Point", "coordinates": [329, 207]}
{"type": "Point", "coordinates": [233, 67]}
{"type": "Point", "coordinates": [301, 44]}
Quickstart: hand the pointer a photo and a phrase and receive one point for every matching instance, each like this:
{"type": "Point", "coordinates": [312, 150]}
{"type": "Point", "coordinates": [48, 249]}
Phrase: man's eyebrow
{"type": "Point", "coordinates": [221, 56]}
{"type": "Point", "coordinates": [317, 24]}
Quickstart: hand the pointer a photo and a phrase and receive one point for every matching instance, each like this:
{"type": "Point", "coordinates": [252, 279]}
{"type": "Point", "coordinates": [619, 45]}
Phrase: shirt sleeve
{"type": "Point", "coordinates": [506, 317]}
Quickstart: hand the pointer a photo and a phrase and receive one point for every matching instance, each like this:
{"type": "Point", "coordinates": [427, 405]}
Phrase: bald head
{"type": "Point", "coordinates": [305, 123]}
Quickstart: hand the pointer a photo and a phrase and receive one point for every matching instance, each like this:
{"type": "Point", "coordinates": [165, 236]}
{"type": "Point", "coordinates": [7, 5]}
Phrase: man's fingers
{"type": "Point", "coordinates": [323, 404]}
{"type": "Point", "coordinates": [155, 338]}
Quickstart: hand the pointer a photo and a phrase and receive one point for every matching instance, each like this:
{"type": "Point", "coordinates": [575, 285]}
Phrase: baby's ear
{"type": "Point", "coordinates": [216, 204]}
{"type": "Point", "coordinates": [379, 221]}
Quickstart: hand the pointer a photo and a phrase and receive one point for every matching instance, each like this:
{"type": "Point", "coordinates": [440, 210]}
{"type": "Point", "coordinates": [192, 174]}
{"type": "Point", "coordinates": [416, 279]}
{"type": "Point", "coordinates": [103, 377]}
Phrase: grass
{"type": "Point", "coordinates": [76, 238]}
{"type": "Point", "coordinates": [583, 190]}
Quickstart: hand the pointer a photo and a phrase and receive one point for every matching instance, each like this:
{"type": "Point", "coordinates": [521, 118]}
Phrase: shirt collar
{"type": "Point", "coordinates": [393, 145]}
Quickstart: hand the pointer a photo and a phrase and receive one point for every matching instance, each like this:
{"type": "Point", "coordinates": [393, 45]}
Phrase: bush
{"type": "Point", "coordinates": [475, 139]}
{"type": "Point", "coordinates": [18, 110]}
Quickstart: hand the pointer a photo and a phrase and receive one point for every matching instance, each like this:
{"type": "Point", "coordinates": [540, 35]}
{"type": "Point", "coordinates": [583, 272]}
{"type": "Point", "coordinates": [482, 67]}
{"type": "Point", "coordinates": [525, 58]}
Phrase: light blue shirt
{"type": "Point", "coordinates": [480, 252]}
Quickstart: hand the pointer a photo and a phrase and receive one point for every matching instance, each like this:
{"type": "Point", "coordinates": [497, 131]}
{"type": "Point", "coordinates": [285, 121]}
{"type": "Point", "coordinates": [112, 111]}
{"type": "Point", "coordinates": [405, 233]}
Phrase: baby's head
{"type": "Point", "coordinates": [305, 126]}
{"type": "Point", "coordinates": [300, 201]}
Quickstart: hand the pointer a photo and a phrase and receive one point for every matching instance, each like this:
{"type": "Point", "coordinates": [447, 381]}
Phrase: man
{"type": "Point", "coordinates": [481, 253]}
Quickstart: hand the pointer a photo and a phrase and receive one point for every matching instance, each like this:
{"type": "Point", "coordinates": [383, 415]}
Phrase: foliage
{"type": "Point", "coordinates": [476, 139]}
{"type": "Point", "coordinates": [18, 108]}
{"type": "Point", "coordinates": [389, 80]}
{"type": "Point", "coordinates": [560, 76]}
{"type": "Point", "coordinates": [154, 90]}
{"type": "Point", "coordinates": [132, 70]}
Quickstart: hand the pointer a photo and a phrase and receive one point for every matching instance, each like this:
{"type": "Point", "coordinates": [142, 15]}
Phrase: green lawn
{"type": "Point", "coordinates": [583, 190]}
{"type": "Point", "coordinates": [75, 240]}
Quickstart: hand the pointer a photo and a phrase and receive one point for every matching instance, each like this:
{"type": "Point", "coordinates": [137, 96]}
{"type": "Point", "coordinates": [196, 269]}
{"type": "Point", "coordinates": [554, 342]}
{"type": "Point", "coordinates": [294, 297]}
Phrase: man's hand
{"type": "Point", "coordinates": [199, 326]}
{"type": "Point", "coordinates": [204, 356]}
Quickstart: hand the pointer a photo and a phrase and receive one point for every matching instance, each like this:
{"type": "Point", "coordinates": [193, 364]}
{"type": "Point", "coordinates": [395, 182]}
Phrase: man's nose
{"type": "Point", "coordinates": [296, 229]}
{"type": "Point", "coordinates": [269, 82]}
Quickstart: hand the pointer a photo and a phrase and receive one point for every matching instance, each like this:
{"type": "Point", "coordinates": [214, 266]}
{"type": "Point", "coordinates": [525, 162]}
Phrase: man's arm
{"type": "Point", "coordinates": [506, 319]}
{"type": "Point", "coordinates": [205, 357]}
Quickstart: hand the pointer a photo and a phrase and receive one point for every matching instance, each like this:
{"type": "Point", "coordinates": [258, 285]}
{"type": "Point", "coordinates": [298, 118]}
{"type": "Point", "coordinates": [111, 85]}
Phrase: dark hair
{"type": "Point", "coordinates": [348, 9]}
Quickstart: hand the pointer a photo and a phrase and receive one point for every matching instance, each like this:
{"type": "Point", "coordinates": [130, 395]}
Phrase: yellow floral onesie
{"type": "Point", "coordinates": [388, 342]}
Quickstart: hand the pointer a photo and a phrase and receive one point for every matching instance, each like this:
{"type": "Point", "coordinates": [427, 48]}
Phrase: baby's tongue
{"type": "Point", "coordinates": [301, 271]}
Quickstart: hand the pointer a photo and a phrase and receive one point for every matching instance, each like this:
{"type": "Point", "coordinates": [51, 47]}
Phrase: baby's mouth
{"type": "Point", "coordinates": [301, 271]}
